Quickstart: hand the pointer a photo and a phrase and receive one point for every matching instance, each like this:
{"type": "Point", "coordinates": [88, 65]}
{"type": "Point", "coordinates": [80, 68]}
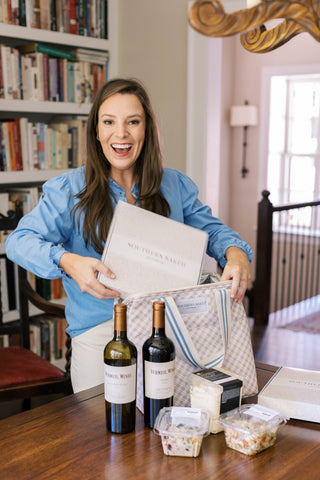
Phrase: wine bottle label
{"type": "Point", "coordinates": [120, 383]}
{"type": "Point", "coordinates": [159, 379]}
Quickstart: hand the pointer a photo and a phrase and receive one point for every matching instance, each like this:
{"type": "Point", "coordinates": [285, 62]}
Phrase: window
{"type": "Point", "coordinates": [294, 143]}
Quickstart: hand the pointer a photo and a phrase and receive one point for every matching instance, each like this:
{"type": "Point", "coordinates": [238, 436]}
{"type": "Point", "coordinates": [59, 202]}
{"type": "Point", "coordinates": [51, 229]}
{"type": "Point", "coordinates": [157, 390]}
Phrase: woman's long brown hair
{"type": "Point", "coordinates": [94, 199]}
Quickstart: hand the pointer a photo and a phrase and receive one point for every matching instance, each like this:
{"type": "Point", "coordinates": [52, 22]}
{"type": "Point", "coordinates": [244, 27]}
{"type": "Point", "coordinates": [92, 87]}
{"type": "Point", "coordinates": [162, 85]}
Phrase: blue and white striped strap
{"type": "Point", "coordinates": [185, 347]}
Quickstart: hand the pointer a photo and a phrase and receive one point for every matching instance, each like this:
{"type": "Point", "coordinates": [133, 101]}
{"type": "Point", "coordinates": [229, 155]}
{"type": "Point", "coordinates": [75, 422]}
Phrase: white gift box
{"type": "Point", "coordinates": [149, 252]}
{"type": "Point", "coordinates": [294, 393]}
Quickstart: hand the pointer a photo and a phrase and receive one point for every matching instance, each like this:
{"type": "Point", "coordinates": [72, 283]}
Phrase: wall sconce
{"type": "Point", "coordinates": [244, 116]}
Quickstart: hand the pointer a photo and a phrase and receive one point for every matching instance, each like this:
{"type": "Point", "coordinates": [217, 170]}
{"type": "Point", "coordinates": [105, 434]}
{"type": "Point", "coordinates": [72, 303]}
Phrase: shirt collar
{"type": "Point", "coordinates": [116, 187]}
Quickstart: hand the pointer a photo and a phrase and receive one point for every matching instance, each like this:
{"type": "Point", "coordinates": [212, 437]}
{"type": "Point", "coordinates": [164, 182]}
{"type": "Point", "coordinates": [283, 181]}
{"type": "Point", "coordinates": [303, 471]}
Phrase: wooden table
{"type": "Point", "coordinates": [67, 439]}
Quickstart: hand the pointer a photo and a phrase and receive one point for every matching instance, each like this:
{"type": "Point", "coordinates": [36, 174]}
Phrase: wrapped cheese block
{"type": "Point", "coordinates": [216, 391]}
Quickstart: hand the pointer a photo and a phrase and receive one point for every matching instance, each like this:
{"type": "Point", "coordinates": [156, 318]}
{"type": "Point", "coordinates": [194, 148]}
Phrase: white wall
{"type": "Point", "coordinates": [153, 48]}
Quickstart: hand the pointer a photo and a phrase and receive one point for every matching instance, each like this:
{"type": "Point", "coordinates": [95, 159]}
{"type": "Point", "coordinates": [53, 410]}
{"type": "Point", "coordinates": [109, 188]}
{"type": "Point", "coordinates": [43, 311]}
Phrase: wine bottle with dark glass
{"type": "Point", "coordinates": [120, 374]}
{"type": "Point", "coordinates": [158, 355]}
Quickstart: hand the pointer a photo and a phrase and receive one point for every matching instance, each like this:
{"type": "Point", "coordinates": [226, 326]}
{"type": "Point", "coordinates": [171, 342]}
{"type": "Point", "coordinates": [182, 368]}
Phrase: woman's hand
{"type": "Point", "coordinates": [237, 269]}
{"type": "Point", "coordinates": [83, 270]}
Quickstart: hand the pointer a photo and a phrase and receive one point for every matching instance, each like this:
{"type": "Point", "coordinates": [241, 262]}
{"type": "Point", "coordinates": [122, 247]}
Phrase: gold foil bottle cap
{"type": "Point", "coordinates": [120, 317]}
{"type": "Point", "coordinates": [158, 314]}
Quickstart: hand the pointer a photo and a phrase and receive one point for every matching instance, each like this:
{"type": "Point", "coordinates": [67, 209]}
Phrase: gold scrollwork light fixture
{"type": "Point", "coordinates": [209, 18]}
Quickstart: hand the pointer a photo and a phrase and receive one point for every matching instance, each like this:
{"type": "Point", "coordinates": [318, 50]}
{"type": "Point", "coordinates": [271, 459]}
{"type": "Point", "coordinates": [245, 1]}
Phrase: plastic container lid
{"type": "Point", "coordinates": [182, 430]}
{"type": "Point", "coordinates": [195, 421]}
{"type": "Point", "coordinates": [252, 415]}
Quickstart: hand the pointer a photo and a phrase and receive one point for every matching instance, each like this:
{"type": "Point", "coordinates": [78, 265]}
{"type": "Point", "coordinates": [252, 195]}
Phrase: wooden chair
{"type": "Point", "coordinates": [23, 374]}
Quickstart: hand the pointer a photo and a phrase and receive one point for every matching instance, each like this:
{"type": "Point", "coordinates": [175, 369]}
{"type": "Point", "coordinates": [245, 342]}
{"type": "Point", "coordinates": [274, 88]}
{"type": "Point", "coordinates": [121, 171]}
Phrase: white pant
{"type": "Point", "coordinates": [87, 364]}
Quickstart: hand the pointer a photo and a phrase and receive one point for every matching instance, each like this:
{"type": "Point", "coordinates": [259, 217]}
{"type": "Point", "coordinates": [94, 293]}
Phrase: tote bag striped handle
{"type": "Point", "coordinates": [185, 348]}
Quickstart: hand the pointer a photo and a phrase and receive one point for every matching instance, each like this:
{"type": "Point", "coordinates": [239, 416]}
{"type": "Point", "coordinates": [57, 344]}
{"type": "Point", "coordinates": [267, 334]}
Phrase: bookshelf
{"type": "Point", "coordinates": [53, 111]}
{"type": "Point", "coordinates": [50, 111]}
{"type": "Point", "coordinates": [17, 35]}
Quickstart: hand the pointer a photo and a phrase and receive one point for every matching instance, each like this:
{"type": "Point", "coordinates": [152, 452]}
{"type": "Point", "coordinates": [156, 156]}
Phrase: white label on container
{"type": "Point", "coordinates": [188, 416]}
{"type": "Point", "coordinates": [120, 383]}
{"type": "Point", "coordinates": [192, 305]}
{"type": "Point", "coordinates": [261, 412]}
{"type": "Point", "coordinates": [159, 379]}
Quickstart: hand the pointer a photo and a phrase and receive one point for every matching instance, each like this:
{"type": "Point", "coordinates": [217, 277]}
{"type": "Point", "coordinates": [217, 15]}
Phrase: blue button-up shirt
{"type": "Point", "coordinates": [44, 234]}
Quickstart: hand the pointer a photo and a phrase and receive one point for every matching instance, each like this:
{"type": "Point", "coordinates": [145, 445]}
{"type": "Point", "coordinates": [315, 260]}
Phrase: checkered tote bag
{"type": "Point", "coordinates": [208, 329]}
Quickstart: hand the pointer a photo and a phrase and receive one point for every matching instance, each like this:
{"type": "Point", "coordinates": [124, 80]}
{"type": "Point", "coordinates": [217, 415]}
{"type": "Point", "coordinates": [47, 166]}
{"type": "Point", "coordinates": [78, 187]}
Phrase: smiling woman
{"type": "Point", "coordinates": [121, 132]}
{"type": "Point", "coordinates": [65, 234]}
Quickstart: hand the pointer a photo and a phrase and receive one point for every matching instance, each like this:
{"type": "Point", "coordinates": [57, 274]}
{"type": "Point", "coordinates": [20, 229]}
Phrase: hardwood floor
{"type": "Point", "coordinates": [283, 347]}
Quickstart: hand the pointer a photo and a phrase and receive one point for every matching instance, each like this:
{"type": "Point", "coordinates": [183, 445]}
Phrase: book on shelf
{"type": "Point", "coordinates": [1, 76]}
{"type": "Point", "coordinates": [81, 20]}
{"type": "Point", "coordinates": [44, 14]}
{"type": "Point", "coordinates": [24, 141]}
{"type": "Point", "coordinates": [29, 13]}
{"type": "Point", "coordinates": [36, 22]}
{"type": "Point", "coordinates": [6, 70]}
{"type": "Point", "coordinates": [53, 80]}
{"type": "Point", "coordinates": [92, 56]}
{"type": "Point", "coordinates": [9, 12]}
{"type": "Point", "coordinates": [80, 17]}
{"type": "Point", "coordinates": [41, 149]}
{"type": "Point", "coordinates": [16, 138]}
{"type": "Point", "coordinates": [5, 146]}
{"type": "Point", "coordinates": [70, 81]}
{"type": "Point", "coordinates": [293, 392]}
{"type": "Point", "coordinates": [73, 151]}
{"type": "Point", "coordinates": [48, 49]}
{"type": "Point", "coordinates": [62, 144]}
{"type": "Point", "coordinates": [28, 73]}
{"type": "Point", "coordinates": [53, 16]}
{"type": "Point", "coordinates": [15, 19]}
{"type": "Point", "coordinates": [4, 13]}
{"type": "Point", "coordinates": [22, 13]}
{"type": "Point", "coordinates": [148, 252]}
{"type": "Point", "coordinates": [63, 15]}
{"type": "Point", "coordinates": [37, 146]}
{"type": "Point", "coordinates": [48, 148]}
{"type": "Point", "coordinates": [77, 83]}
{"type": "Point", "coordinates": [12, 151]}
{"type": "Point", "coordinates": [34, 161]}
{"type": "Point", "coordinates": [48, 338]}
{"type": "Point", "coordinates": [73, 16]}
{"type": "Point", "coordinates": [2, 153]}
{"type": "Point", "coordinates": [15, 73]}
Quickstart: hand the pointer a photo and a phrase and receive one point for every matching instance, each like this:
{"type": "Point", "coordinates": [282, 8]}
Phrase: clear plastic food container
{"type": "Point", "coordinates": [182, 430]}
{"type": "Point", "coordinates": [251, 428]}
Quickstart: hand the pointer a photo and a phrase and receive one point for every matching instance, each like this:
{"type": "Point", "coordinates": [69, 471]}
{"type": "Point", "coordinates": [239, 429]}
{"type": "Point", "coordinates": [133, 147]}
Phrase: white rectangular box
{"type": "Point", "coordinates": [149, 252]}
{"type": "Point", "coordinates": [293, 392]}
